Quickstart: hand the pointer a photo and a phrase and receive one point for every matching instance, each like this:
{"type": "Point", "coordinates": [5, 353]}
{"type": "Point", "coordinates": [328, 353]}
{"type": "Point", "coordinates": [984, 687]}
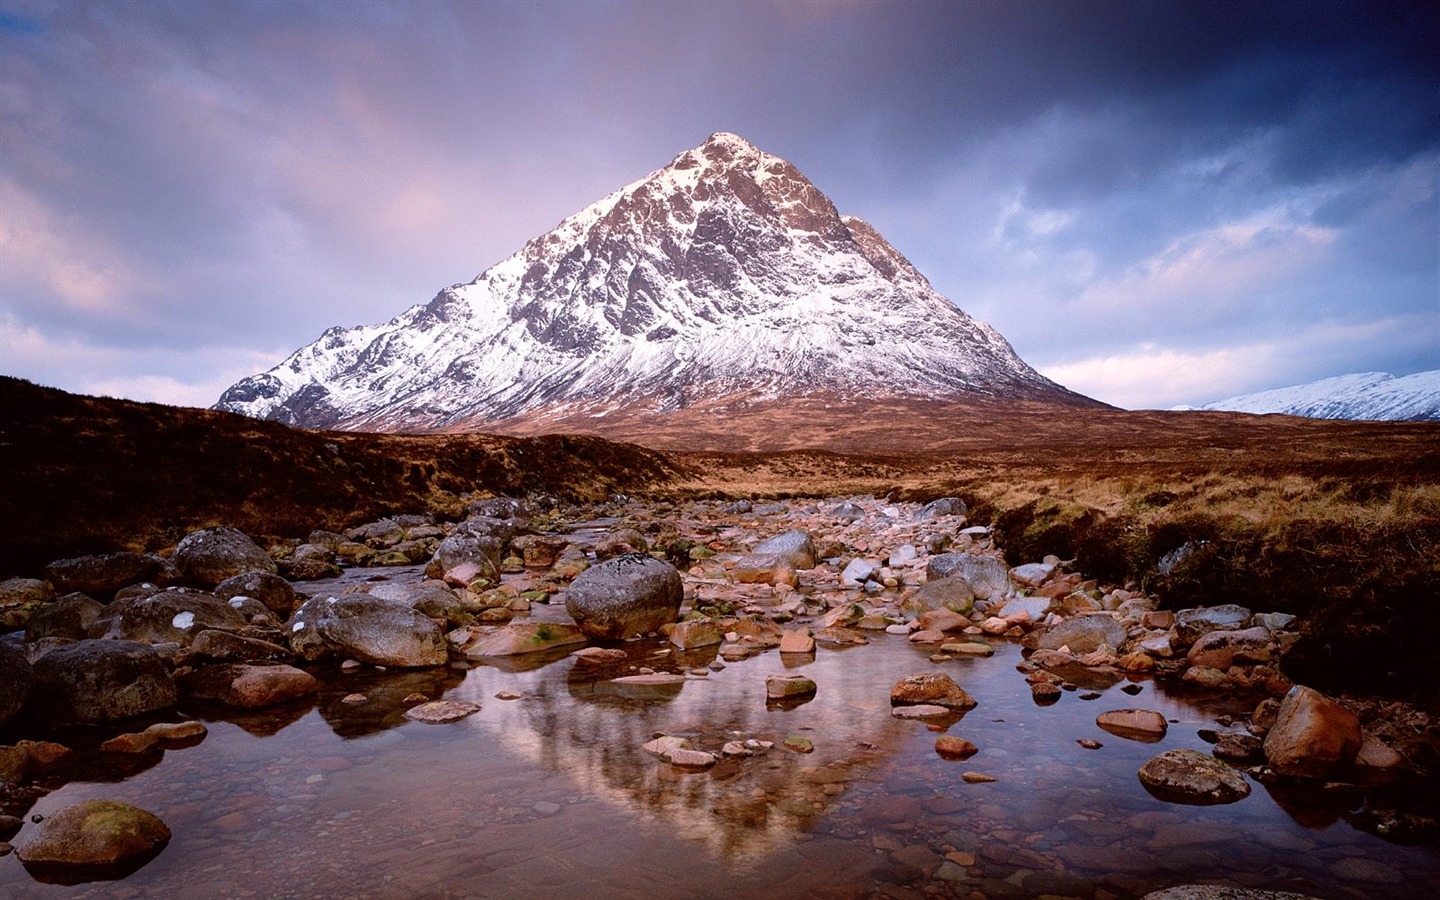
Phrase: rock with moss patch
{"type": "Point", "coordinates": [520, 638]}
{"type": "Point", "coordinates": [1189, 776]}
{"type": "Point", "coordinates": [625, 596]}
{"type": "Point", "coordinates": [211, 555]}
{"type": "Point", "coordinates": [94, 834]}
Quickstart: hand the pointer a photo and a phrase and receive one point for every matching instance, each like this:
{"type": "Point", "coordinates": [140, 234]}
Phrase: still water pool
{"type": "Point", "coordinates": [550, 795]}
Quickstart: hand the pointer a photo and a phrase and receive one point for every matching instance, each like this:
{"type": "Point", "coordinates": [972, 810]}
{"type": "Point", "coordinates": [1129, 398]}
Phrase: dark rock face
{"type": "Point", "coordinates": [465, 557]}
{"type": "Point", "coordinates": [211, 555]}
{"type": "Point", "coordinates": [275, 592]}
{"type": "Point", "coordinates": [16, 679]}
{"type": "Point", "coordinates": [625, 596]}
{"type": "Point", "coordinates": [249, 685]}
{"type": "Point", "coordinates": [173, 615]}
{"type": "Point", "coordinates": [100, 681]}
{"type": "Point", "coordinates": [380, 632]}
{"type": "Point", "coordinates": [1313, 737]}
{"type": "Point", "coordinates": [69, 617]}
{"type": "Point", "coordinates": [102, 575]}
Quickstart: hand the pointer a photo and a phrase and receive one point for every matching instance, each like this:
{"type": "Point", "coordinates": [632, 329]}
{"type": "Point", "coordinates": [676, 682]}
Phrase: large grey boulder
{"type": "Point", "coordinates": [1084, 633]}
{"type": "Point", "coordinates": [211, 555]}
{"type": "Point", "coordinates": [953, 593]}
{"type": "Point", "coordinates": [69, 617]}
{"type": "Point", "coordinates": [466, 557]}
{"type": "Point", "coordinates": [987, 576]}
{"type": "Point", "coordinates": [625, 596]}
{"type": "Point", "coordinates": [16, 680]}
{"type": "Point", "coordinates": [795, 547]}
{"type": "Point", "coordinates": [372, 630]}
{"type": "Point", "coordinates": [165, 617]}
{"type": "Point", "coordinates": [100, 681]}
{"type": "Point", "coordinates": [945, 506]}
{"type": "Point", "coordinates": [103, 574]}
{"type": "Point", "coordinates": [430, 598]}
{"type": "Point", "coordinates": [276, 593]}
{"type": "Point", "coordinates": [1192, 624]}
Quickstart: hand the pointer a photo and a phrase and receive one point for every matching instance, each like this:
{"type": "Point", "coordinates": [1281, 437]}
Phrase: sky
{"type": "Point", "coordinates": [1157, 203]}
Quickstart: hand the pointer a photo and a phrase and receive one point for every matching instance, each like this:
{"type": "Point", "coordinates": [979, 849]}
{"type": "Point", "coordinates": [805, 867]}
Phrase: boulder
{"type": "Point", "coordinates": [171, 616]}
{"type": "Point", "coordinates": [797, 640]}
{"type": "Point", "coordinates": [222, 646]}
{"type": "Point", "coordinates": [372, 630]}
{"type": "Point", "coordinates": [953, 593]}
{"type": "Point", "coordinates": [1036, 608]}
{"type": "Point", "coordinates": [848, 510]}
{"type": "Point", "coordinates": [1143, 725]}
{"type": "Point", "coordinates": [930, 689]}
{"type": "Point", "coordinates": [250, 685]}
{"type": "Point", "coordinates": [101, 681]}
{"type": "Point", "coordinates": [1189, 776]}
{"type": "Point", "coordinates": [21, 599]}
{"type": "Point", "coordinates": [795, 547]}
{"type": "Point", "coordinates": [945, 506]}
{"type": "Point", "coordinates": [625, 596]}
{"type": "Point", "coordinates": [94, 834]}
{"type": "Point", "coordinates": [788, 687]}
{"type": "Point", "coordinates": [539, 550]}
{"type": "Point", "coordinates": [274, 592]}
{"type": "Point", "coordinates": [1084, 633]}
{"type": "Point", "coordinates": [987, 576]}
{"type": "Point", "coordinates": [211, 555]}
{"type": "Point", "coordinates": [1222, 649]}
{"type": "Point", "coordinates": [620, 542]}
{"type": "Point", "coordinates": [379, 535]}
{"type": "Point", "coordinates": [950, 747]}
{"type": "Point", "coordinates": [103, 574]}
{"type": "Point", "coordinates": [1191, 624]}
{"type": "Point", "coordinates": [431, 598]}
{"type": "Point", "coordinates": [16, 681]}
{"type": "Point", "coordinates": [764, 568]}
{"type": "Point", "coordinates": [1313, 736]}
{"type": "Point", "coordinates": [694, 633]}
{"type": "Point", "coordinates": [1032, 575]}
{"type": "Point", "coordinates": [70, 617]}
{"type": "Point", "coordinates": [520, 638]}
{"type": "Point", "coordinates": [943, 619]}
{"type": "Point", "coordinates": [466, 557]}
{"type": "Point", "coordinates": [497, 508]}
{"type": "Point", "coordinates": [857, 572]}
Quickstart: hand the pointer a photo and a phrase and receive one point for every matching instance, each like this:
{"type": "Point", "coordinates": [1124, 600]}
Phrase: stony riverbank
{"type": "Point", "coordinates": [222, 620]}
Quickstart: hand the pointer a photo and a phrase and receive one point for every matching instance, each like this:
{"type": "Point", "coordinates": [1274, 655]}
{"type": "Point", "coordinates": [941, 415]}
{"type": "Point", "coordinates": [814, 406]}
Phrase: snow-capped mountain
{"type": "Point", "coordinates": [724, 274]}
{"type": "Point", "coordinates": [1365, 395]}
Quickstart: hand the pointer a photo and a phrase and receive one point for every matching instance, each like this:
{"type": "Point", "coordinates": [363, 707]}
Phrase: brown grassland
{"type": "Point", "coordinates": [1338, 522]}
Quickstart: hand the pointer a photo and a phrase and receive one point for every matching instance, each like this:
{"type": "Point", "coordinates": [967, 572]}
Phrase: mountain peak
{"type": "Point", "coordinates": [724, 274]}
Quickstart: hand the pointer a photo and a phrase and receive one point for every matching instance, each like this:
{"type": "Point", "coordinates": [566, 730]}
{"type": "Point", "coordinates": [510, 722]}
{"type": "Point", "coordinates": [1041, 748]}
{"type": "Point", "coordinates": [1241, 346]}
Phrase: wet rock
{"type": "Point", "coordinates": [1189, 776]}
{"type": "Point", "coordinates": [442, 712]}
{"type": "Point", "coordinates": [968, 648]}
{"type": "Point", "coordinates": [274, 592]}
{"type": "Point", "coordinates": [253, 685]}
{"type": "Point", "coordinates": [1145, 726]}
{"type": "Point", "coordinates": [1376, 754]}
{"type": "Point", "coordinates": [678, 751]}
{"type": "Point", "coordinates": [797, 640]}
{"type": "Point", "coordinates": [788, 687]}
{"type": "Point", "coordinates": [429, 598]}
{"type": "Point", "coordinates": [923, 711]}
{"type": "Point", "coordinates": [133, 744]}
{"type": "Point", "coordinates": [175, 615]}
{"type": "Point", "coordinates": [94, 834]}
{"type": "Point", "coordinates": [16, 681]}
{"type": "Point", "coordinates": [951, 747]}
{"type": "Point", "coordinates": [520, 638]}
{"type": "Point", "coordinates": [372, 630]}
{"type": "Point", "coordinates": [764, 568]}
{"type": "Point", "coordinates": [621, 542]}
{"type": "Point", "coordinates": [69, 618]}
{"type": "Point", "coordinates": [799, 744]}
{"type": "Point", "coordinates": [930, 688]}
{"type": "Point", "coordinates": [1084, 633]}
{"type": "Point", "coordinates": [977, 778]}
{"type": "Point", "coordinates": [599, 654]}
{"type": "Point", "coordinates": [988, 577]}
{"type": "Point", "coordinates": [1206, 677]}
{"type": "Point", "coordinates": [1223, 649]}
{"type": "Point", "coordinates": [101, 681]}
{"type": "Point", "coordinates": [941, 620]}
{"type": "Point", "coordinates": [625, 596]}
{"type": "Point", "coordinates": [691, 634]}
{"type": "Point", "coordinates": [177, 731]}
{"type": "Point", "coordinates": [1239, 748]}
{"type": "Point", "coordinates": [224, 647]}
{"type": "Point", "coordinates": [1043, 692]}
{"type": "Point", "coordinates": [1313, 736]}
{"type": "Point", "coordinates": [211, 555]}
{"type": "Point", "coordinates": [465, 557]}
{"type": "Point", "coordinates": [953, 594]}
{"type": "Point", "coordinates": [1192, 624]}
{"type": "Point", "coordinates": [103, 574]}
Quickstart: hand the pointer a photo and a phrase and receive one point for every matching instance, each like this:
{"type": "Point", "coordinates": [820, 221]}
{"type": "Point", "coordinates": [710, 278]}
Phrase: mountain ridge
{"type": "Point", "coordinates": [1362, 396]}
{"type": "Point", "coordinates": [725, 273]}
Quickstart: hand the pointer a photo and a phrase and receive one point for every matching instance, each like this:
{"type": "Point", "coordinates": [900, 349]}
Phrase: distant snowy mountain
{"type": "Point", "coordinates": [1367, 395]}
{"type": "Point", "coordinates": [724, 274]}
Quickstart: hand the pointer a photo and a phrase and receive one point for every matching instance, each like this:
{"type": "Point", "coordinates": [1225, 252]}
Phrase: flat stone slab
{"type": "Point", "coordinates": [442, 712]}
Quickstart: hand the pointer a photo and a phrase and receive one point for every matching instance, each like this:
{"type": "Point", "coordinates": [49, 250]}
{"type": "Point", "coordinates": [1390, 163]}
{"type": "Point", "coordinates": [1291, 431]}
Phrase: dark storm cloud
{"type": "Point", "coordinates": [1103, 181]}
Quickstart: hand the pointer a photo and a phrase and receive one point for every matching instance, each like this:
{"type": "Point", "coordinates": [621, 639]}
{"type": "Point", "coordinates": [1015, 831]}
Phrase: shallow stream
{"type": "Point", "coordinates": [551, 795]}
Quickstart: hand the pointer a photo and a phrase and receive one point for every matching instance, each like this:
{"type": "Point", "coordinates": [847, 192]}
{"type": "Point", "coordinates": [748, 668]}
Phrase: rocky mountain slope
{"type": "Point", "coordinates": [725, 274]}
{"type": "Point", "coordinates": [1371, 396]}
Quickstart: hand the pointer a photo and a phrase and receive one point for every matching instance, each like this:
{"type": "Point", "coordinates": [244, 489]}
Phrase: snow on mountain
{"type": "Point", "coordinates": [726, 273]}
{"type": "Point", "coordinates": [1365, 395]}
